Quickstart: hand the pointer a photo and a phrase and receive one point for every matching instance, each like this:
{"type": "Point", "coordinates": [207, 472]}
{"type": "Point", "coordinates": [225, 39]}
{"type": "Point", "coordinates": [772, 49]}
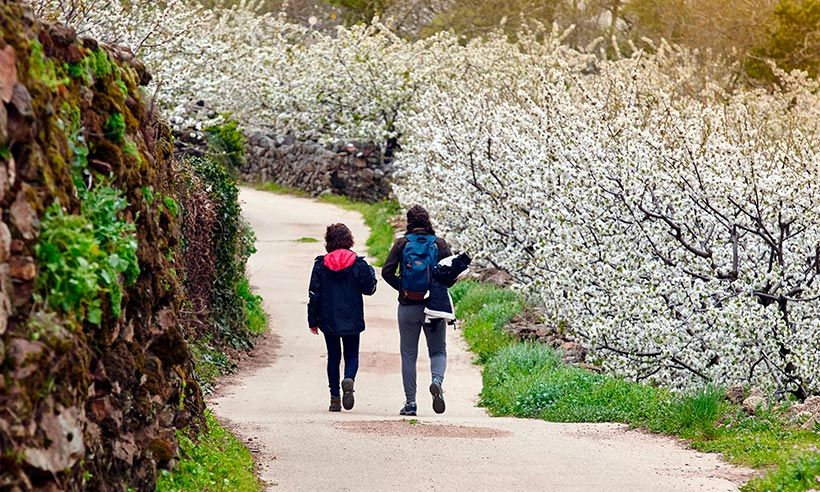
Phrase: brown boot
{"type": "Point", "coordinates": [347, 394]}
{"type": "Point", "coordinates": [335, 404]}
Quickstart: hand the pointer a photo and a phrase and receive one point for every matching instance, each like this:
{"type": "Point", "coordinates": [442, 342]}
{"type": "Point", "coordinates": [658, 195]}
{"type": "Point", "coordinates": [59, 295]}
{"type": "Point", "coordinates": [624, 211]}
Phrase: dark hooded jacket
{"type": "Point", "coordinates": [337, 283]}
{"type": "Point", "coordinates": [438, 304]}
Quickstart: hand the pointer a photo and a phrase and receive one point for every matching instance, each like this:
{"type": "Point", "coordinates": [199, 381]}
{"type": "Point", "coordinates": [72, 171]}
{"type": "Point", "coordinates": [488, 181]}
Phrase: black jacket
{"type": "Point", "coordinates": [438, 304]}
{"type": "Point", "coordinates": [337, 283]}
{"type": "Point", "coordinates": [390, 270]}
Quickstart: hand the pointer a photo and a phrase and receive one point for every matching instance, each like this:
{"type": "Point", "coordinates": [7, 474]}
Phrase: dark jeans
{"type": "Point", "coordinates": [334, 358]}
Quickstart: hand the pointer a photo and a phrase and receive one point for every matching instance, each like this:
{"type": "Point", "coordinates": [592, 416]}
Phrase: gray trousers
{"type": "Point", "coordinates": [411, 324]}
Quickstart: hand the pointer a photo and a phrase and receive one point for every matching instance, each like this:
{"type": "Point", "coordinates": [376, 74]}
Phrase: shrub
{"type": "Point", "coordinates": [227, 144]}
{"type": "Point", "coordinates": [233, 243]}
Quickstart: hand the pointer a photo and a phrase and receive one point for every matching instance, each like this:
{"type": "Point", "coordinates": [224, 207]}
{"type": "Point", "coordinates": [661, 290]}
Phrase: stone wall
{"type": "Point", "coordinates": [85, 404]}
{"type": "Point", "coordinates": [356, 170]}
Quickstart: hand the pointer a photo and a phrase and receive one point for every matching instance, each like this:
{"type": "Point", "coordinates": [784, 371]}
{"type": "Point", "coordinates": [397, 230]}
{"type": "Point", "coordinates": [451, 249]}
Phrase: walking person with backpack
{"type": "Point", "coordinates": [336, 308]}
{"type": "Point", "coordinates": [408, 269]}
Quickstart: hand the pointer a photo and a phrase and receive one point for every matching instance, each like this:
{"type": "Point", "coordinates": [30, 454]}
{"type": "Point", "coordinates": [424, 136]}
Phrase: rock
{"type": "Point", "coordinates": [8, 73]}
{"type": "Point", "coordinates": [806, 414]}
{"type": "Point", "coordinates": [5, 313]}
{"type": "Point", "coordinates": [22, 268]}
{"type": "Point", "coordinates": [100, 409]}
{"type": "Point", "coordinates": [5, 242]}
{"type": "Point", "coordinates": [23, 292]}
{"type": "Point", "coordinates": [23, 216]}
{"type": "Point", "coordinates": [4, 125]}
{"type": "Point", "coordinates": [591, 367]}
{"type": "Point", "coordinates": [753, 403]}
{"type": "Point", "coordinates": [20, 115]}
{"type": "Point", "coordinates": [5, 180]}
{"type": "Point", "coordinates": [735, 394]}
{"type": "Point", "coordinates": [574, 352]}
{"type": "Point", "coordinates": [21, 101]}
{"type": "Point", "coordinates": [64, 436]}
{"type": "Point", "coordinates": [344, 168]}
{"type": "Point", "coordinates": [498, 277]}
{"type": "Point", "coordinates": [23, 352]}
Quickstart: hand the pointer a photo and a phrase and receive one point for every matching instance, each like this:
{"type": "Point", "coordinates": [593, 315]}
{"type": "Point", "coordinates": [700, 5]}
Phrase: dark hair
{"type": "Point", "coordinates": [338, 236]}
{"type": "Point", "coordinates": [418, 218]}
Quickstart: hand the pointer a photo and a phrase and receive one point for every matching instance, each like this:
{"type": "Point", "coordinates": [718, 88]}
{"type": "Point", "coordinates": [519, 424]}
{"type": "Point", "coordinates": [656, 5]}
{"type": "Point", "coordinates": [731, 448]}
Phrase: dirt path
{"type": "Point", "coordinates": [279, 407]}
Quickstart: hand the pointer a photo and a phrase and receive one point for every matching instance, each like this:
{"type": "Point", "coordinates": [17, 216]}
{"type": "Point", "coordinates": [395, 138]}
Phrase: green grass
{"type": "Point", "coordinates": [217, 462]}
{"type": "Point", "coordinates": [279, 189]}
{"type": "Point", "coordinates": [530, 380]}
{"type": "Point", "coordinates": [797, 476]}
{"type": "Point", "coordinates": [307, 240]}
{"type": "Point", "coordinates": [485, 310]}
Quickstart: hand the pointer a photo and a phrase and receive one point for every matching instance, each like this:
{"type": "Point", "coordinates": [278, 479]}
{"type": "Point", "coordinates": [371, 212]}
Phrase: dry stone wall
{"type": "Point", "coordinates": [84, 404]}
{"type": "Point", "coordinates": [352, 169]}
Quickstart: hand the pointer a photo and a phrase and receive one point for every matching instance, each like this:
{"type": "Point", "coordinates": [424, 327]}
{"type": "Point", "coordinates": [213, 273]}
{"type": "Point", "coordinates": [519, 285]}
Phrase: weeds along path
{"type": "Point", "coordinates": [279, 407]}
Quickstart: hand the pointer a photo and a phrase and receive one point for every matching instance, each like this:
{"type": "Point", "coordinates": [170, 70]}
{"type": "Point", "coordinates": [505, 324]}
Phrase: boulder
{"type": "Point", "coordinates": [806, 414]}
{"type": "Point", "coordinates": [735, 394]}
{"type": "Point", "coordinates": [755, 402]}
{"type": "Point", "coordinates": [497, 277]}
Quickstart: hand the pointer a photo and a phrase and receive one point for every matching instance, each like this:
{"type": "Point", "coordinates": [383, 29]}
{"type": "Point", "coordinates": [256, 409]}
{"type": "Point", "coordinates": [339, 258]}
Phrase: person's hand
{"type": "Point", "coordinates": [314, 330]}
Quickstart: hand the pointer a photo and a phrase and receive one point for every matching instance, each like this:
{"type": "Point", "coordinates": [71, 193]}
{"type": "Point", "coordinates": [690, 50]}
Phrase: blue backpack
{"type": "Point", "coordinates": [420, 257]}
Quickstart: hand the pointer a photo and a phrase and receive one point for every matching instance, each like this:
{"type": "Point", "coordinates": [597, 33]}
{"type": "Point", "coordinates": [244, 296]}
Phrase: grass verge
{"type": "Point", "coordinates": [530, 380]}
{"type": "Point", "coordinates": [217, 462]}
{"type": "Point", "coordinates": [376, 215]}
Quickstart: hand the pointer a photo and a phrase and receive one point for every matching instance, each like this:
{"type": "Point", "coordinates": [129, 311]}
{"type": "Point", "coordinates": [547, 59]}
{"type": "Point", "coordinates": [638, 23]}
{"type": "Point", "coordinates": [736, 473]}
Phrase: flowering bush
{"type": "Point", "coordinates": [668, 221]}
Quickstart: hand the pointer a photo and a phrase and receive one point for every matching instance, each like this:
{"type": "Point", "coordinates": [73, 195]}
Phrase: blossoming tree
{"type": "Point", "coordinates": [667, 220]}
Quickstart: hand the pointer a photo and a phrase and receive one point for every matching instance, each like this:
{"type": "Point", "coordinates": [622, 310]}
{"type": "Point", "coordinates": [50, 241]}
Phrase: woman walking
{"type": "Point", "coordinates": [408, 269]}
{"type": "Point", "coordinates": [336, 308]}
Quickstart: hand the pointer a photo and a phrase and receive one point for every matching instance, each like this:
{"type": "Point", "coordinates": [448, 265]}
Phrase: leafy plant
{"type": "Point", "coordinates": [171, 205]}
{"type": "Point", "coordinates": [130, 149]}
{"type": "Point", "coordinates": [80, 71]}
{"type": "Point", "coordinates": [797, 476]}
{"type": "Point", "coordinates": [84, 258]}
{"type": "Point", "coordinates": [148, 194]}
{"type": "Point", "coordinates": [233, 244]}
{"type": "Point", "coordinates": [257, 320]}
